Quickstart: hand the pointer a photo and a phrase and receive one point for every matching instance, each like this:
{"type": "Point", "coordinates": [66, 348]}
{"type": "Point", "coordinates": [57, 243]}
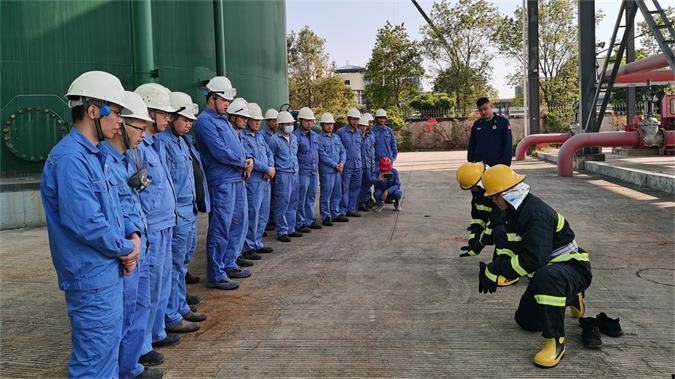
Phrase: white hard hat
{"type": "Point", "coordinates": [184, 105]}
{"type": "Point", "coordinates": [135, 107]}
{"type": "Point", "coordinates": [380, 113]}
{"type": "Point", "coordinates": [97, 85]}
{"type": "Point", "coordinates": [363, 120]}
{"type": "Point", "coordinates": [271, 114]}
{"type": "Point", "coordinates": [156, 96]}
{"type": "Point", "coordinates": [238, 107]}
{"type": "Point", "coordinates": [255, 111]}
{"type": "Point", "coordinates": [285, 118]}
{"type": "Point", "coordinates": [327, 118]}
{"type": "Point", "coordinates": [353, 113]}
{"type": "Point", "coordinates": [368, 116]}
{"type": "Point", "coordinates": [306, 113]}
{"type": "Point", "coordinates": [221, 86]}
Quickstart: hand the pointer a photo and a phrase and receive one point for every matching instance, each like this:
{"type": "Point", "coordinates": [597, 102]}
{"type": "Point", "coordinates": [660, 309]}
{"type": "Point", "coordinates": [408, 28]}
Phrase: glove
{"type": "Point", "coordinates": [485, 284]}
{"type": "Point", "coordinates": [473, 248]}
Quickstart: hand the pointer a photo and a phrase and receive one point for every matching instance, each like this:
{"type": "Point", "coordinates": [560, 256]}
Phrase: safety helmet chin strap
{"type": "Point", "coordinates": [97, 120]}
{"type": "Point", "coordinates": [125, 136]}
{"type": "Point", "coordinates": [154, 124]}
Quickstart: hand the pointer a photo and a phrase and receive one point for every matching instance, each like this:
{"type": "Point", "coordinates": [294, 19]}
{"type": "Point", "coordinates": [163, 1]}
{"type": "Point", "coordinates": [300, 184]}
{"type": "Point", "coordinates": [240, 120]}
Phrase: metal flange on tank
{"type": "Point", "coordinates": [33, 124]}
{"type": "Point", "coordinates": [649, 129]}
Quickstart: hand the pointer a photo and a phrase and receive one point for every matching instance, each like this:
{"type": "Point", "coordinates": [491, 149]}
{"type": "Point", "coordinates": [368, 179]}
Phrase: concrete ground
{"type": "Point", "coordinates": [386, 295]}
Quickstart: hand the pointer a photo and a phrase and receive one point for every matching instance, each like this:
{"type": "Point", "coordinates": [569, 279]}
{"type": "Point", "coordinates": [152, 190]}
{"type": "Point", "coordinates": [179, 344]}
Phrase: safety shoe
{"type": "Point", "coordinates": [295, 234]}
{"type": "Point", "coordinates": [193, 308]}
{"type": "Point", "coordinates": [243, 262]}
{"type": "Point", "coordinates": [577, 306]}
{"type": "Point", "coordinates": [270, 226]}
{"type": "Point", "coordinates": [151, 373]}
{"type": "Point", "coordinates": [398, 208]}
{"type": "Point", "coordinates": [327, 221]}
{"type": "Point", "coordinates": [503, 282]}
{"type": "Point", "coordinates": [609, 326]}
{"type": "Point", "coordinates": [590, 333]}
{"type": "Point", "coordinates": [303, 229]}
{"type": "Point", "coordinates": [194, 316]}
{"type": "Point", "coordinates": [184, 326]}
{"type": "Point", "coordinates": [251, 255]}
{"type": "Point", "coordinates": [192, 299]}
{"type": "Point", "coordinates": [151, 358]}
{"type": "Point", "coordinates": [223, 285]}
{"type": "Point", "coordinates": [378, 208]}
{"type": "Point", "coordinates": [264, 250]}
{"type": "Point", "coordinates": [315, 225]}
{"type": "Point", "coordinates": [353, 214]}
{"type": "Point", "coordinates": [191, 279]}
{"type": "Point", "coordinates": [284, 238]}
{"type": "Point", "coordinates": [341, 218]}
{"type": "Point", "coordinates": [238, 273]}
{"type": "Point", "coordinates": [170, 340]}
{"type": "Point", "coordinates": [363, 208]}
{"type": "Point", "coordinates": [551, 354]}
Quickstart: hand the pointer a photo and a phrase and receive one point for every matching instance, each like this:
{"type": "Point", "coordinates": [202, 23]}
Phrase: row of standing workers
{"type": "Point", "coordinates": [122, 191]}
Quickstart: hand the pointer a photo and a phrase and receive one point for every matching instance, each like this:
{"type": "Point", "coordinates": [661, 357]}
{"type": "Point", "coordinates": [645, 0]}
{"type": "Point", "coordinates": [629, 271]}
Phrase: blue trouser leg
{"type": "Point", "coordinates": [184, 307]}
{"type": "Point", "coordinates": [346, 177]}
{"type": "Point", "coordinates": [327, 183]}
{"type": "Point", "coordinates": [238, 226]}
{"type": "Point", "coordinates": [159, 266]}
{"type": "Point", "coordinates": [351, 186]}
{"type": "Point", "coordinates": [292, 209]}
{"type": "Point", "coordinates": [282, 198]}
{"type": "Point", "coordinates": [303, 186]}
{"type": "Point", "coordinates": [136, 315]}
{"type": "Point", "coordinates": [366, 184]}
{"type": "Point", "coordinates": [96, 322]}
{"type": "Point", "coordinates": [394, 194]}
{"type": "Point", "coordinates": [180, 244]}
{"type": "Point", "coordinates": [220, 219]}
{"type": "Point", "coordinates": [254, 194]}
{"type": "Point", "coordinates": [310, 198]}
{"type": "Point", "coordinates": [336, 196]}
{"type": "Point", "coordinates": [263, 215]}
{"type": "Point", "coordinates": [272, 216]}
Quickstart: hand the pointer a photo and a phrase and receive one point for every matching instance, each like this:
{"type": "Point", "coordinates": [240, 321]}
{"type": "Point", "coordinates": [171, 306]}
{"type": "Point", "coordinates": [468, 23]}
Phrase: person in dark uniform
{"type": "Point", "coordinates": [545, 250]}
{"type": "Point", "coordinates": [490, 141]}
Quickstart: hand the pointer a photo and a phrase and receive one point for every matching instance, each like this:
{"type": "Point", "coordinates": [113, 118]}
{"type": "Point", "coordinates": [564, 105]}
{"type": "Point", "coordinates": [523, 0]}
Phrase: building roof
{"type": "Point", "coordinates": [350, 68]}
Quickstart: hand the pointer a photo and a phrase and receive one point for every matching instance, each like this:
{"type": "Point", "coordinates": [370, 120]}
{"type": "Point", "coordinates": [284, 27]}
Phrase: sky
{"type": "Point", "coordinates": [349, 27]}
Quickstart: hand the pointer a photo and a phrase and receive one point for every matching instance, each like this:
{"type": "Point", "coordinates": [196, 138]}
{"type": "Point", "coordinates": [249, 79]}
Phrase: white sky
{"type": "Point", "coordinates": [350, 26]}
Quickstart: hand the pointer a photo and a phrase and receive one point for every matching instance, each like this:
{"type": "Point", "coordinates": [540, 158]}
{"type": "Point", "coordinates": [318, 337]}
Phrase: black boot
{"type": "Point", "coordinates": [341, 218]}
{"type": "Point", "coordinates": [251, 256]}
{"type": "Point", "coordinates": [303, 229]}
{"type": "Point", "coordinates": [151, 373]}
{"type": "Point", "coordinates": [244, 262]}
{"type": "Point", "coordinates": [264, 250]}
{"type": "Point", "coordinates": [609, 326]}
{"type": "Point", "coordinates": [315, 225]}
{"type": "Point", "coordinates": [590, 333]}
{"type": "Point", "coordinates": [192, 299]}
{"type": "Point", "coordinates": [284, 238]}
{"type": "Point", "coordinates": [295, 234]}
{"type": "Point", "coordinates": [170, 340]}
{"type": "Point", "coordinates": [152, 358]}
{"type": "Point", "coordinates": [191, 279]}
{"type": "Point", "coordinates": [327, 222]}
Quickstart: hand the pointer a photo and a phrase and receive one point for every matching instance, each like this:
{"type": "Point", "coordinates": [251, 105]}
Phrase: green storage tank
{"type": "Point", "coordinates": [46, 44]}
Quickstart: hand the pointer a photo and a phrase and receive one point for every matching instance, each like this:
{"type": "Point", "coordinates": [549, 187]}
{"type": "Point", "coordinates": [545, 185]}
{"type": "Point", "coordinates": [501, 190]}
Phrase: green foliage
{"type": "Point", "coordinates": [429, 101]}
{"type": "Point", "coordinates": [394, 69]}
{"type": "Point", "coordinates": [312, 80]}
{"type": "Point", "coordinates": [648, 42]}
{"type": "Point", "coordinates": [557, 121]}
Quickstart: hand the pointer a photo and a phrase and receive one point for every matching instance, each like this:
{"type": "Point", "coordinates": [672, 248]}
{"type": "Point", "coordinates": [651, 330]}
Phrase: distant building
{"type": "Point", "coordinates": [354, 77]}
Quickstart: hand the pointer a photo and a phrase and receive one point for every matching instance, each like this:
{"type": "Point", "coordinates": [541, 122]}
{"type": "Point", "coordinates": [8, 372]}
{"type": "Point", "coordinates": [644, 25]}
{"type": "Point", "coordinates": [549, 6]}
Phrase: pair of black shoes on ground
{"type": "Point", "coordinates": [287, 237]}
{"type": "Point", "coordinates": [593, 326]}
{"type": "Point", "coordinates": [246, 258]}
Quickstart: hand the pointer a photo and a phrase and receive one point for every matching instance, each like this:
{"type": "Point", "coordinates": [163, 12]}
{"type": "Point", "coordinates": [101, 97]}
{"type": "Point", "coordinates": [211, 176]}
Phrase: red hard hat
{"type": "Point", "coordinates": [385, 164]}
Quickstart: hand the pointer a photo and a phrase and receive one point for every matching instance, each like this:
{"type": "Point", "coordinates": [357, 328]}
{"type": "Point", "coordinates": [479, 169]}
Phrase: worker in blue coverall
{"type": "Point", "coordinates": [387, 186]}
{"type": "Point", "coordinates": [351, 175]}
{"type": "Point", "coordinates": [370, 169]}
{"type": "Point", "coordinates": [332, 157]}
{"type": "Point", "coordinates": [284, 147]}
{"type": "Point", "coordinates": [159, 205]}
{"type": "Point", "coordinates": [271, 121]}
{"type": "Point", "coordinates": [258, 187]}
{"type": "Point", "coordinates": [308, 171]}
{"type": "Point", "coordinates": [385, 140]}
{"type": "Point", "coordinates": [490, 140]}
{"type": "Point", "coordinates": [124, 163]}
{"type": "Point", "coordinates": [179, 318]}
{"type": "Point", "coordinates": [88, 238]}
{"type": "Point", "coordinates": [226, 164]}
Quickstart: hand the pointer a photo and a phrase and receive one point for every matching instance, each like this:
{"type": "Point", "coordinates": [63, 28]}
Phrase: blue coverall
{"type": "Point", "coordinates": [179, 162]}
{"type": "Point", "coordinates": [267, 134]}
{"type": "Point", "coordinates": [224, 159]}
{"type": "Point", "coordinates": [203, 203]}
{"type": "Point", "coordinates": [308, 180]}
{"type": "Point", "coordinates": [385, 142]}
{"type": "Point", "coordinates": [86, 237]}
{"type": "Point", "coordinates": [392, 185]}
{"type": "Point", "coordinates": [137, 285]}
{"type": "Point", "coordinates": [490, 141]}
{"type": "Point", "coordinates": [331, 153]}
{"type": "Point", "coordinates": [159, 206]}
{"type": "Point", "coordinates": [285, 195]}
{"type": "Point", "coordinates": [370, 167]}
{"type": "Point", "coordinates": [351, 176]}
{"type": "Point", "coordinates": [258, 189]}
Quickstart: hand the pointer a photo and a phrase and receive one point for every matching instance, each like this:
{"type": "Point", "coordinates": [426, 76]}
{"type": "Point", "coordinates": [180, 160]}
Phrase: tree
{"type": "Point", "coordinates": [649, 44]}
{"type": "Point", "coordinates": [312, 81]}
{"type": "Point", "coordinates": [463, 64]}
{"type": "Point", "coordinates": [394, 69]}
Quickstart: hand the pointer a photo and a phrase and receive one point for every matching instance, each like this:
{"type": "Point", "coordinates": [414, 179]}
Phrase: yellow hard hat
{"type": "Point", "coordinates": [469, 174]}
{"type": "Point", "coordinates": [500, 178]}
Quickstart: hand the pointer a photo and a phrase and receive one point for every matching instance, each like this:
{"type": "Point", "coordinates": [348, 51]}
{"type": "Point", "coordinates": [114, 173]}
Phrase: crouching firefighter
{"type": "Point", "coordinates": [484, 214]}
{"type": "Point", "coordinates": [545, 252]}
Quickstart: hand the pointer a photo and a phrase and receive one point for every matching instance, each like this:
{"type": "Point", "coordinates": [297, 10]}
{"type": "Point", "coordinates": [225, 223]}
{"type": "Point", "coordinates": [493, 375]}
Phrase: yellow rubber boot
{"type": "Point", "coordinates": [577, 307]}
{"type": "Point", "coordinates": [551, 354]}
{"type": "Point", "coordinates": [503, 282]}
